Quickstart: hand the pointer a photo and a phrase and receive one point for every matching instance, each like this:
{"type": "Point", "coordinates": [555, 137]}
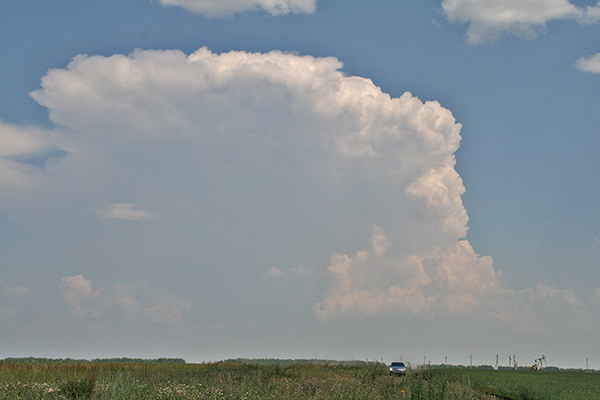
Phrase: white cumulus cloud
{"type": "Point", "coordinates": [589, 64]}
{"type": "Point", "coordinates": [274, 272]}
{"type": "Point", "coordinates": [139, 303]}
{"type": "Point", "coordinates": [492, 19]}
{"type": "Point", "coordinates": [80, 298]}
{"type": "Point", "coordinates": [455, 280]}
{"type": "Point", "coordinates": [221, 8]}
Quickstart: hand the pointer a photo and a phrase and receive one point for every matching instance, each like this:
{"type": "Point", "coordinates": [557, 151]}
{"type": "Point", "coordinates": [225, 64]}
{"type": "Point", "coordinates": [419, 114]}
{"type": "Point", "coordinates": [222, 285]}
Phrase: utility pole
{"type": "Point", "coordinates": [471, 360]}
{"type": "Point", "coordinates": [446, 361]}
{"type": "Point", "coordinates": [587, 366]}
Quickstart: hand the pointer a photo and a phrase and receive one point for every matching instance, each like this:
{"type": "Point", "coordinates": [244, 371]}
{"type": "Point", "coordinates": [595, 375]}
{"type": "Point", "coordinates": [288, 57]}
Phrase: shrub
{"type": "Point", "coordinates": [78, 388]}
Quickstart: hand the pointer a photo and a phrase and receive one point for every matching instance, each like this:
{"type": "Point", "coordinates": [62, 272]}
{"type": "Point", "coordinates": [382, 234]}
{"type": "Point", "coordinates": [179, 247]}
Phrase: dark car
{"type": "Point", "coordinates": [397, 368]}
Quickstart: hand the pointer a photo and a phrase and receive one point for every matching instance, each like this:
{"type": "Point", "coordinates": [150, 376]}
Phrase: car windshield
{"type": "Point", "coordinates": [397, 364]}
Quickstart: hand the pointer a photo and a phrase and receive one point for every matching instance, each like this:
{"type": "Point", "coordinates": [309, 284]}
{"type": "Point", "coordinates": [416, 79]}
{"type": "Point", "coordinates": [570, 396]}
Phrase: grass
{"type": "Point", "coordinates": [230, 380]}
{"type": "Point", "coordinates": [525, 385]}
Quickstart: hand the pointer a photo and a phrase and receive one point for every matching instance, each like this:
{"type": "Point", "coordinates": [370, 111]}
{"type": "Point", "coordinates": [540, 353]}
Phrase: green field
{"type": "Point", "coordinates": [235, 380]}
{"type": "Point", "coordinates": [524, 384]}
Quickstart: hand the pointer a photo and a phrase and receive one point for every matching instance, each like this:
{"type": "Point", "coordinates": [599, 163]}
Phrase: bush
{"type": "Point", "coordinates": [78, 388]}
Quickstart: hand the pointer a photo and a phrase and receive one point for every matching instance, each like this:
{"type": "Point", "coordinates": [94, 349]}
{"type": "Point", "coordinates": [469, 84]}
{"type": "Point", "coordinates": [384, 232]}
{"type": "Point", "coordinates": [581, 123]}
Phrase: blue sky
{"type": "Point", "coordinates": [301, 178]}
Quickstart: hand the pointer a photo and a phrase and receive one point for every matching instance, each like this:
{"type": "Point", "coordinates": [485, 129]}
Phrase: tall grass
{"type": "Point", "coordinates": [219, 381]}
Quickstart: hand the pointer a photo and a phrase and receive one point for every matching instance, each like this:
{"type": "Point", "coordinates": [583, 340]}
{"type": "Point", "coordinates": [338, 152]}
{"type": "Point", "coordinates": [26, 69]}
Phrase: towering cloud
{"type": "Point", "coordinates": [283, 147]}
{"type": "Point", "coordinates": [492, 19]}
{"type": "Point", "coordinates": [221, 8]}
{"type": "Point", "coordinates": [295, 126]}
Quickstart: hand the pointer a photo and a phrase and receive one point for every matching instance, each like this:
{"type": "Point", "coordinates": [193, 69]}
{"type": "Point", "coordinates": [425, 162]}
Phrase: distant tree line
{"type": "Point", "coordinates": [97, 360]}
{"type": "Point", "coordinates": [286, 362]}
{"type": "Point", "coordinates": [140, 360]}
{"type": "Point", "coordinates": [258, 362]}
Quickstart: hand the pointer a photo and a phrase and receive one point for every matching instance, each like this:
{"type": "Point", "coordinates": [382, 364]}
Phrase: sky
{"type": "Point", "coordinates": [380, 180]}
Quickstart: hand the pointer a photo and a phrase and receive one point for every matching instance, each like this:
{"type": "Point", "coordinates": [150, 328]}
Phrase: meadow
{"type": "Point", "coordinates": [234, 380]}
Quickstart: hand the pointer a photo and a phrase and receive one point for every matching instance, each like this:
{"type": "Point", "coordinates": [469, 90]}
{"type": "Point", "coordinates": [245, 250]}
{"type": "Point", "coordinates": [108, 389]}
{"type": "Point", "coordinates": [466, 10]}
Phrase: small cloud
{"type": "Point", "coordinates": [137, 303]}
{"type": "Point", "coordinates": [591, 15]}
{"type": "Point", "coordinates": [220, 8]}
{"type": "Point", "coordinates": [168, 311]}
{"type": "Point", "coordinates": [589, 64]}
{"type": "Point", "coordinates": [274, 272]}
{"type": "Point", "coordinates": [494, 19]}
{"type": "Point", "coordinates": [128, 303]}
{"type": "Point", "coordinates": [124, 211]}
{"type": "Point", "coordinates": [299, 272]}
{"type": "Point", "coordinates": [543, 292]}
{"type": "Point", "coordinates": [80, 298]}
{"type": "Point", "coordinates": [154, 308]}
{"type": "Point", "coordinates": [16, 289]}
